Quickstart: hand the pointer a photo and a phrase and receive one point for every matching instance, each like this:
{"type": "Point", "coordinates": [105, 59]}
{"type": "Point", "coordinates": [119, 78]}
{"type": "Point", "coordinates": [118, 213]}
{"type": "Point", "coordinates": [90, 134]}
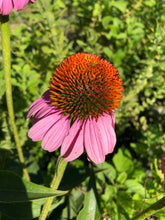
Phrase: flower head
{"type": "Point", "coordinates": [6, 6]}
{"type": "Point", "coordinates": [77, 112]}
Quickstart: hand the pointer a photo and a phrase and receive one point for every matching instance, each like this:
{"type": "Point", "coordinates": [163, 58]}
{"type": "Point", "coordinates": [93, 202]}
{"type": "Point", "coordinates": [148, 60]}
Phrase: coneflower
{"type": "Point", "coordinates": [77, 112]}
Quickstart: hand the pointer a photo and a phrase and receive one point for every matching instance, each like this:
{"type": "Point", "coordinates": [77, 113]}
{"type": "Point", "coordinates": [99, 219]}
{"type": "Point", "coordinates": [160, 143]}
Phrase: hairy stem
{"type": "Point", "coordinates": [4, 20]}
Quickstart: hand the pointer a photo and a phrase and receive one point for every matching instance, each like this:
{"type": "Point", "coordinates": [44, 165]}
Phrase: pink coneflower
{"type": "Point", "coordinates": [77, 112]}
{"type": "Point", "coordinates": [163, 165]}
{"type": "Point", "coordinates": [6, 6]}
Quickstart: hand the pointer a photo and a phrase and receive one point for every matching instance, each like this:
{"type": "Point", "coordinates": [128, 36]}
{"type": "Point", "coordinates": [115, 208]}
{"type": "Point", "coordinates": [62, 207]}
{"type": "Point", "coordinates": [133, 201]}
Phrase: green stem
{"type": "Point", "coordinates": [151, 210]}
{"type": "Point", "coordinates": [4, 20]}
{"type": "Point", "coordinates": [60, 168]}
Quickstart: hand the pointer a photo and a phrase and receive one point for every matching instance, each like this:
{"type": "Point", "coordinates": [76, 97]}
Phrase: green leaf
{"type": "Point", "coordinates": [121, 5]}
{"type": "Point", "coordinates": [14, 189]}
{"type": "Point", "coordinates": [121, 36]}
{"type": "Point", "coordinates": [149, 3]}
{"type": "Point", "coordinates": [70, 207]}
{"type": "Point", "coordinates": [106, 21]}
{"type": "Point", "coordinates": [110, 192]}
{"type": "Point", "coordinates": [122, 177]}
{"type": "Point", "coordinates": [81, 43]}
{"type": "Point", "coordinates": [91, 209]}
{"type": "Point", "coordinates": [135, 187]}
{"type": "Point", "coordinates": [108, 52]}
{"type": "Point", "coordinates": [124, 202]}
{"type": "Point", "coordinates": [123, 161]}
{"type": "Point", "coordinates": [92, 38]}
{"type": "Point", "coordinates": [75, 202]}
{"type": "Point", "coordinates": [26, 210]}
{"type": "Point", "coordinates": [108, 170]}
{"type": "Point", "coordinates": [72, 173]}
{"type": "Point", "coordinates": [23, 210]}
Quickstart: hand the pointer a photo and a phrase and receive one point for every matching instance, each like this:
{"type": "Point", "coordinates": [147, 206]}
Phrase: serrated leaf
{"type": "Point", "coordinates": [14, 189]}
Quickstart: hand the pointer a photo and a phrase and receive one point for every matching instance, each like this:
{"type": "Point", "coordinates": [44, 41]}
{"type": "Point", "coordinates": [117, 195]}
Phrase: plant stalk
{"type": "Point", "coordinates": [60, 168]}
{"type": "Point", "coordinates": [5, 36]}
{"type": "Point", "coordinates": [157, 206]}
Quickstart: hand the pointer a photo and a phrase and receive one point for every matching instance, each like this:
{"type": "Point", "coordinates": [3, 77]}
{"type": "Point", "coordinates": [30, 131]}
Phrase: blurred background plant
{"type": "Point", "coordinates": [131, 35]}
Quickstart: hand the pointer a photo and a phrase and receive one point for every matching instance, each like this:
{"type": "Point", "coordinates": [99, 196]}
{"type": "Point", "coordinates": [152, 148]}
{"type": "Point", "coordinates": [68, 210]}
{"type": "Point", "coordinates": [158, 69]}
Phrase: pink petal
{"type": "Point", "coordinates": [35, 107]}
{"type": "Point", "coordinates": [44, 112]}
{"type": "Point", "coordinates": [93, 141]}
{"type": "Point", "coordinates": [37, 101]}
{"type": "Point", "coordinates": [1, 6]}
{"type": "Point", "coordinates": [56, 134]}
{"type": "Point", "coordinates": [72, 147]}
{"type": "Point", "coordinates": [39, 129]}
{"type": "Point", "coordinates": [6, 7]}
{"type": "Point", "coordinates": [18, 5]}
{"type": "Point", "coordinates": [39, 104]}
{"type": "Point", "coordinates": [107, 133]}
{"type": "Point", "coordinates": [113, 118]}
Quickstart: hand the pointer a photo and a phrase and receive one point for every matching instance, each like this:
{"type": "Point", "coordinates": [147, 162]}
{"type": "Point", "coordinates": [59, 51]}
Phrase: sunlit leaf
{"type": "Point", "coordinates": [123, 161]}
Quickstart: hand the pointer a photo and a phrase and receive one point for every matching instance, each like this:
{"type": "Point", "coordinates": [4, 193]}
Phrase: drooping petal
{"type": "Point", "coordinates": [103, 131]}
{"type": "Point", "coordinates": [93, 141]}
{"type": "Point", "coordinates": [107, 132]}
{"type": "Point", "coordinates": [44, 112]}
{"type": "Point", "coordinates": [72, 147]}
{"type": "Point", "coordinates": [39, 129]}
{"type": "Point", "coordinates": [35, 107]}
{"type": "Point", "coordinates": [56, 134]}
{"type": "Point", "coordinates": [41, 104]}
{"type": "Point", "coordinates": [6, 7]}
{"type": "Point", "coordinates": [18, 5]}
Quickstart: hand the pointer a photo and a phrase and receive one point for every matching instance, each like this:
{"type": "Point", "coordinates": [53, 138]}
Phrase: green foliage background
{"type": "Point", "coordinates": [131, 35]}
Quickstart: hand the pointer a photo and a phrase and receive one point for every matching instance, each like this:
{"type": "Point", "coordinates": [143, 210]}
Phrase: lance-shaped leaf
{"type": "Point", "coordinates": [90, 210]}
{"type": "Point", "coordinates": [14, 189]}
{"type": "Point", "coordinates": [26, 210]}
